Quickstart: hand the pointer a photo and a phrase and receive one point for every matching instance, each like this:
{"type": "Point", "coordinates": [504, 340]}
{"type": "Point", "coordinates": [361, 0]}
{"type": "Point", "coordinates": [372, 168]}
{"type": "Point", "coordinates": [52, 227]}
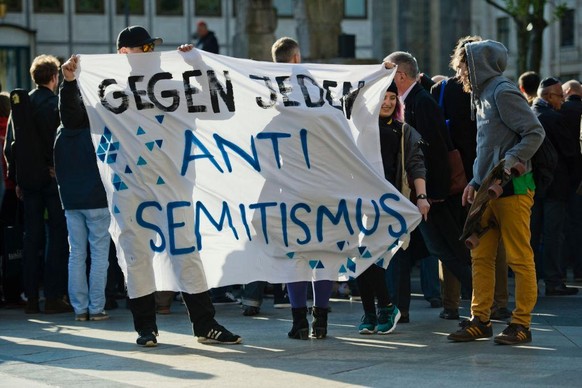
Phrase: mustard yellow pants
{"type": "Point", "coordinates": [512, 216]}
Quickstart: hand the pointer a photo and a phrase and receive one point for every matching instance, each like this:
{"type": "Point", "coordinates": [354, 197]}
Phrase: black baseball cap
{"type": "Point", "coordinates": [135, 36]}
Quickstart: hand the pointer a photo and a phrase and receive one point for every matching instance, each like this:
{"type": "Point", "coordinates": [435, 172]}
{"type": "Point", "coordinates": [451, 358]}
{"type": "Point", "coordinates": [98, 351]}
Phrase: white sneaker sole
{"type": "Point", "coordinates": [367, 331]}
{"type": "Point", "coordinates": [210, 341]}
{"type": "Point", "coordinates": [398, 315]}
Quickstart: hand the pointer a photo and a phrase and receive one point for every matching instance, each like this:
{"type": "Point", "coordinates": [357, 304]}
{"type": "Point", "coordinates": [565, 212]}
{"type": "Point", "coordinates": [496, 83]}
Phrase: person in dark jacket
{"type": "Point", "coordinates": [37, 187]}
{"type": "Point", "coordinates": [395, 138]}
{"type": "Point", "coordinates": [442, 229]}
{"type": "Point", "coordinates": [142, 303]}
{"type": "Point", "coordinates": [549, 211]}
{"type": "Point", "coordinates": [572, 110]}
{"type": "Point", "coordinates": [206, 39]}
{"type": "Point", "coordinates": [84, 200]}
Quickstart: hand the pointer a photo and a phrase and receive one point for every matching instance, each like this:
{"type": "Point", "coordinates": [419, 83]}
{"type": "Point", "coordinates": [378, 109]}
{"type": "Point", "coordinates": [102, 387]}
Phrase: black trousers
{"type": "Point", "coordinates": [200, 310]}
{"type": "Point", "coordinates": [372, 284]}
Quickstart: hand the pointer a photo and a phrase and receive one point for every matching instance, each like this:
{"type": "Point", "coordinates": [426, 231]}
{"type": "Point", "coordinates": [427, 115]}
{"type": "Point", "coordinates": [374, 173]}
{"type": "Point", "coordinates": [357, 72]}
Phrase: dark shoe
{"type": "Point", "coordinates": [449, 314]}
{"type": "Point", "coordinates": [300, 329]}
{"type": "Point", "coordinates": [514, 334]}
{"type": "Point", "coordinates": [110, 304]}
{"type": "Point", "coordinates": [319, 324]}
{"type": "Point", "coordinates": [57, 306]}
{"type": "Point", "coordinates": [102, 316]}
{"type": "Point", "coordinates": [404, 317]}
{"type": "Point", "coordinates": [435, 303]}
{"type": "Point", "coordinates": [226, 298]}
{"type": "Point", "coordinates": [82, 317]}
{"type": "Point", "coordinates": [561, 290]}
{"type": "Point", "coordinates": [500, 314]}
{"type": "Point", "coordinates": [32, 306]}
{"type": "Point", "coordinates": [281, 303]}
{"type": "Point", "coordinates": [219, 335]}
{"type": "Point", "coordinates": [471, 330]}
{"type": "Point", "coordinates": [249, 311]}
{"type": "Point", "coordinates": [147, 339]}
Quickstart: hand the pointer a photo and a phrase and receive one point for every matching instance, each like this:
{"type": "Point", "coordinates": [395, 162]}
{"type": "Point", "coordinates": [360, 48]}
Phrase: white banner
{"type": "Point", "coordinates": [225, 171]}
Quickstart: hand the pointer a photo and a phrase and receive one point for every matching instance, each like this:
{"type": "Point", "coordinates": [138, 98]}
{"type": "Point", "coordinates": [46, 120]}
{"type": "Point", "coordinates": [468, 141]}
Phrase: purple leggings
{"type": "Point", "coordinates": [321, 293]}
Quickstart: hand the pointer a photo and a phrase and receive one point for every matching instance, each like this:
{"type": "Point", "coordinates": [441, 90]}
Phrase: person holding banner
{"type": "Point", "coordinates": [139, 270]}
{"type": "Point", "coordinates": [403, 162]}
{"type": "Point", "coordinates": [286, 50]}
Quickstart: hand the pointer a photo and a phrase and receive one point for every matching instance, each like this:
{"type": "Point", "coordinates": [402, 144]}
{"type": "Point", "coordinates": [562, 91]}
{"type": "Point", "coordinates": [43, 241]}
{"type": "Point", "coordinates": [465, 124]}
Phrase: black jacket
{"type": "Point", "coordinates": [423, 114]}
{"type": "Point", "coordinates": [462, 129]}
{"type": "Point", "coordinates": [555, 127]}
{"type": "Point", "coordinates": [572, 111]}
{"type": "Point", "coordinates": [80, 185]}
{"type": "Point", "coordinates": [208, 43]}
{"type": "Point", "coordinates": [33, 153]}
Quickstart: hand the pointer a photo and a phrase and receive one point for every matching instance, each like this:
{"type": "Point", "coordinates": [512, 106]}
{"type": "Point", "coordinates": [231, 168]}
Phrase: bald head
{"type": "Point", "coordinates": [572, 88]}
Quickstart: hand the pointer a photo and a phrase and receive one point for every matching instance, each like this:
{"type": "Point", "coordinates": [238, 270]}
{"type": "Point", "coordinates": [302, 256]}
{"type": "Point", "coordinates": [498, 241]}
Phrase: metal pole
{"type": "Point", "coordinates": [126, 9]}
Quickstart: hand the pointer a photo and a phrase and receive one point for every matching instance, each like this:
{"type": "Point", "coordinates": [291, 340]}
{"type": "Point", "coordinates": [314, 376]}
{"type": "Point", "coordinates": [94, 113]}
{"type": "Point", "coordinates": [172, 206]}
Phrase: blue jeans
{"type": "Point", "coordinates": [253, 294]}
{"type": "Point", "coordinates": [36, 202]}
{"type": "Point", "coordinates": [88, 226]}
{"type": "Point", "coordinates": [429, 278]}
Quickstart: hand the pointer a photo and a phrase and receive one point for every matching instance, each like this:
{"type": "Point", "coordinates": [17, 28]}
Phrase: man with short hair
{"type": "Point", "coordinates": [286, 50]}
{"type": "Point", "coordinates": [37, 187]}
{"type": "Point", "coordinates": [140, 273]}
{"type": "Point", "coordinates": [506, 129]}
{"type": "Point", "coordinates": [206, 39]}
{"type": "Point", "coordinates": [549, 210]}
{"type": "Point", "coordinates": [572, 111]}
{"type": "Point", "coordinates": [528, 85]}
{"type": "Point", "coordinates": [444, 225]}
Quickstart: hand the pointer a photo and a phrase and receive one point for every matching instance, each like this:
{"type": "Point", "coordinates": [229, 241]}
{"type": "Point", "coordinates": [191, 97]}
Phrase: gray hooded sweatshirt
{"type": "Point", "coordinates": [506, 126]}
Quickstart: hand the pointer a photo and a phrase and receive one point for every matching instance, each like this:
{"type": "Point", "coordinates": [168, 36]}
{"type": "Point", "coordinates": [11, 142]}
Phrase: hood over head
{"type": "Point", "coordinates": [485, 59]}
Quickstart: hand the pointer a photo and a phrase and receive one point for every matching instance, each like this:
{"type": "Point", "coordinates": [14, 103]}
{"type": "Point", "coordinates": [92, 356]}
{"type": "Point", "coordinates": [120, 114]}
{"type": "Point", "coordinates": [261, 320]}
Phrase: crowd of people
{"type": "Point", "coordinates": [439, 139]}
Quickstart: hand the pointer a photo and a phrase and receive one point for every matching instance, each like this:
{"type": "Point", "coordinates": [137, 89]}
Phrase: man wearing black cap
{"type": "Point", "coordinates": [136, 39]}
{"type": "Point", "coordinates": [549, 210]}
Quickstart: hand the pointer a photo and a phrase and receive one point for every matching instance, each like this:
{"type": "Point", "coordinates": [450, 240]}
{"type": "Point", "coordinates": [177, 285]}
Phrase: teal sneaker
{"type": "Point", "coordinates": [368, 325]}
{"type": "Point", "coordinates": [387, 319]}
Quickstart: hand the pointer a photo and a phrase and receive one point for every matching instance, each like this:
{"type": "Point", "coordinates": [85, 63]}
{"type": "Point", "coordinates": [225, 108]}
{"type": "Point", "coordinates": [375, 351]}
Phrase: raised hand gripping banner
{"type": "Point", "coordinates": [225, 171]}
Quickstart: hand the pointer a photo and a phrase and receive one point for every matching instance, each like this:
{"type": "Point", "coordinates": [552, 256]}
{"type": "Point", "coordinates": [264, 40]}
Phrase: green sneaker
{"type": "Point", "coordinates": [387, 319]}
{"type": "Point", "coordinates": [368, 325]}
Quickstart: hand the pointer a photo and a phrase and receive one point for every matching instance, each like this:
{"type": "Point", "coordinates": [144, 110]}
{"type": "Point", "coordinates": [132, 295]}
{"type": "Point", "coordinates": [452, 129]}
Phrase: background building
{"type": "Point", "coordinates": [426, 28]}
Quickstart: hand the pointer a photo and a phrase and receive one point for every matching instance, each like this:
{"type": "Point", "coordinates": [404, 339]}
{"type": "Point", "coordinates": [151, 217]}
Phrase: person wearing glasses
{"type": "Point", "coordinates": [549, 210]}
{"type": "Point", "coordinates": [136, 39]}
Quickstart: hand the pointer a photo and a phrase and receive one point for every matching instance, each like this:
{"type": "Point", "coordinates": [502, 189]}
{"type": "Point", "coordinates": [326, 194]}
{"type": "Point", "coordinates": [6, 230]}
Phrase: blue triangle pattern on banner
{"type": "Point", "coordinates": [128, 170]}
{"type": "Point", "coordinates": [107, 134]}
{"type": "Point", "coordinates": [150, 145]}
{"type": "Point", "coordinates": [351, 265]}
{"type": "Point", "coordinates": [101, 157]}
{"type": "Point", "coordinates": [141, 161]}
{"type": "Point", "coordinates": [116, 210]}
{"type": "Point", "coordinates": [362, 250]}
{"type": "Point", "coordinates": [343, 269]}
{"type": "Point", "coordinates": [122, 186]}
{"type": "Point", "coordinates": [140, 131]}
{"type": "Point", "coordinates": [111, 158]}
{"type": "Point", "coordinates": [101, 149]}
{"type": "Point", "coordinates": [341, 245]}
{"type": "Point", "coordinates": [319, 265]}
{"type": "Point", "coordinates": [313, 263]}
{"type": "Point", "coordinates": [114, 146]}
{"type": "Point", "coordinates": [291, 255]}
{"type": "Point", "coordinates": [160, 181]}
{"type": "Point", "coordinates": [160, 118]}
{"type": "Point", "coordinates": [367, 255]}
{"type": "Point", "coordinates": [116, 178]}
{"type": "Point", "coordinates": [394, 245]}
{"type": "Point", "coordinates": [159, 142]}
{"type": "Point", "coordinates": [380, 262]}
{"type": "Point", "coordinates": [103, 140]}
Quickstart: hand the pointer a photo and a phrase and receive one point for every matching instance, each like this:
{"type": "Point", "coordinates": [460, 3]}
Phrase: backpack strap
{"type": "Point", "coordinates": [442, 94]}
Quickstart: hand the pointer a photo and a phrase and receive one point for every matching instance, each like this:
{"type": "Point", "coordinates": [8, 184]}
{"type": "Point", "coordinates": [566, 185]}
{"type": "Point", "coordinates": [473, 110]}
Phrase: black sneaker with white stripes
{"type": "Point", "coordinates": [147, 338]}
{"type": "Point", "coordinates": [219, 335]}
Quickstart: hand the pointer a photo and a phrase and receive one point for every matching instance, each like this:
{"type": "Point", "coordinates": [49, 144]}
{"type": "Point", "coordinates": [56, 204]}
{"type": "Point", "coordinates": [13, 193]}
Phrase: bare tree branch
{"type": "Point", "coordinates": [499, 7]}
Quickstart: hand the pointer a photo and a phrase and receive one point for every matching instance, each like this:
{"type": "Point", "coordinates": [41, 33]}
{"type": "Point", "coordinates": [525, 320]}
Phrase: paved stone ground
{"type": "Point", "coordinates": [54, 350]}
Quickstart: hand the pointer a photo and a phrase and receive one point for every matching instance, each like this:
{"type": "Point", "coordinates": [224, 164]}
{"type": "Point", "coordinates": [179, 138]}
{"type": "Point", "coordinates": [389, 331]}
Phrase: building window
{"type": "Point", "coordinates": [355, 9]}
{"type": "Point", "coordinates": [50, 6]}
{"type": "Point", "coordinates": [134, 7]}
{"type": "Point", "coordinates": [170, 7]}
{"type": "Point", "coordinates": [284, 8]}
{"type": "Point", "coordinates": [90, 6]}
{"type": "Point", "coordinates": [503, 31]}
{"type": "Point", "coordinates": [13, 5]}
{"type": "Point", "coordinates": [567, 27]}
{"type": "Point", "coordinates": [208, 8]}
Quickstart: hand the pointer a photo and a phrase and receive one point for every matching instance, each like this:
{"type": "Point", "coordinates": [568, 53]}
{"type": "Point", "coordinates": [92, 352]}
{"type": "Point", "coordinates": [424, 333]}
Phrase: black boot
{"type": "Point", "coordinates": [300, 329]}
{"type": "Point", "coordinates": [319, 325]}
